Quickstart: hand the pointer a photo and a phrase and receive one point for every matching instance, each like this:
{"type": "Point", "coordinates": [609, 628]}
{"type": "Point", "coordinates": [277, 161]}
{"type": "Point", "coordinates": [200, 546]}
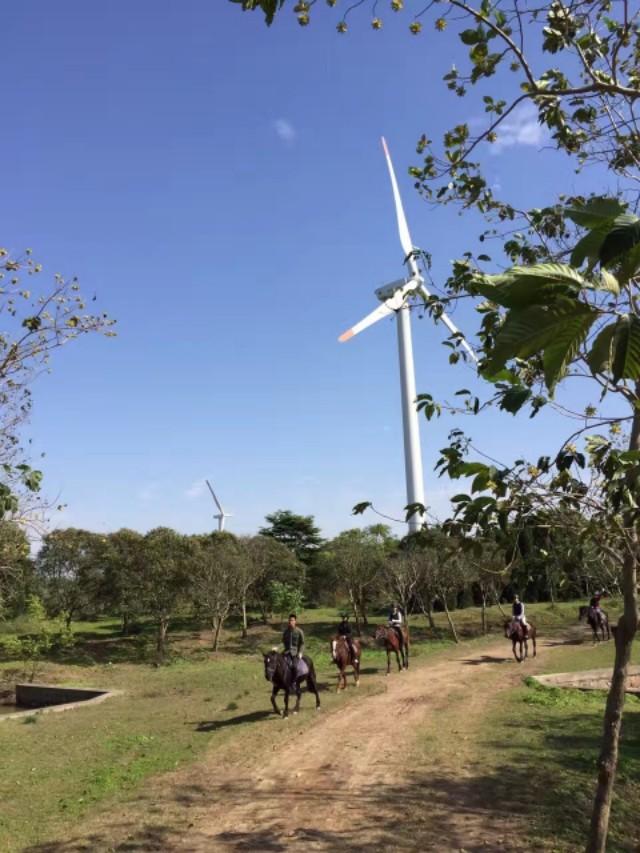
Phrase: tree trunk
{"type": "Point", "coordinates": [125, 623]}
{"type": "Point", "coordinates": [163, 625]}
{"type": "Point", "coordinates": [244, 618]}
{"type": "Point", "coordinates": [450, 620]}
{"type": "Point", "coordinates": [484, 611]}
{"type": "Point", "coordinates": [216, 626]}
{"type": "Point", "coordinates": [608, 760]}
{"type": "Point", "coordinates": [356, 612]}
{"type": "Point", "coordinates": [627, 628]}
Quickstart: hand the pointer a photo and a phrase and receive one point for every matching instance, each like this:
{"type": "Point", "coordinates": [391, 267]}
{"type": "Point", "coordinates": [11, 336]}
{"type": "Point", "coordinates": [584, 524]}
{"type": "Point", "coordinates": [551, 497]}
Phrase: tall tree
{"type": "Point", "coordinates": [298, 532]}
{"type": "Point", "coordinates": [271, 561]}
{"type": "Point", "coordinates": [68, 572]}
{"type": "Point", "coordinates": [358, 557]}
{"type": "Point", "coordinates": [121, 577]}
{"type": "Point", "coordinates": [163, 578]}
{"type": "Point", "coordinates": [15, 566]}
{"type": "Point", "coordinates": [40, 316]}
{"type": "Point", "coordinates": [218, 565]}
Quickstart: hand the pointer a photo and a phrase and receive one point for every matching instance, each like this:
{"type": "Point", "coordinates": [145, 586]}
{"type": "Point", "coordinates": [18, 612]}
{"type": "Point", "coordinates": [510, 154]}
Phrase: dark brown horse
{"type": "Point", "coordinates": [343, 657]}
{"type": "Point", "coordinates": [514, 631]}
{"type": "Point", "coordinates": [388, 637]}
{"type": "Point", "coordinates": [278, 671]}
{"type": "Point", "coordinates": [598, 621]}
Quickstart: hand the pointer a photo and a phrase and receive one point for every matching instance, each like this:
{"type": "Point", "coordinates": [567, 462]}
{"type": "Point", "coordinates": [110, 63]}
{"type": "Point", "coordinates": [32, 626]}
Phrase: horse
{"type": "Point", "coordinates": [278, 671]}
{"type": "Point", "coordinates": [342, 657]}
{"type": "Point", "coordinates": [514, 631]}
{"type": "Point", "coordinates": [389, 638]}
{"type": "Point", "coordinates": [597, 619]}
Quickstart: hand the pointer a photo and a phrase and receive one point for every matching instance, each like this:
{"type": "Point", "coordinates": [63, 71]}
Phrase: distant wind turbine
{"type": "Point", "coordinates": [395, 298]}
{"type": "Point", "coordinates": [221, 514]}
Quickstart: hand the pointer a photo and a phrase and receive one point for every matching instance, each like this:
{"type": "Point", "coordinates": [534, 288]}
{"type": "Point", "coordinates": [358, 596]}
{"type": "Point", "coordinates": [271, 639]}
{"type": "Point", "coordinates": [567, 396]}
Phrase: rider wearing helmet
{"type": "Point", "coordinates": [518, 614]}
{"type": "Point", "coordinates": [344, 632]}
{"type": "Point", "coordinates": [395, 622]}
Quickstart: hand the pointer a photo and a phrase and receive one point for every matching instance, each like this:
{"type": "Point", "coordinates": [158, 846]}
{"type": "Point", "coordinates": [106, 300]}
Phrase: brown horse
{"type": "Point", "coordinates": [598, 621]}
{"type": "Point", "coordinates": [514, 631]}
{"type": "Point", "coordinates": [388, 637]}
{"type": "Point", "coordinates": [342, 657]}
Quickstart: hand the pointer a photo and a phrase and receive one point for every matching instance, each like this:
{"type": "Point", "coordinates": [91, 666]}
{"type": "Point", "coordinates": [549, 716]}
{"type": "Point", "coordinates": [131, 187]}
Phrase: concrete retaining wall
{"type": "Point", "coordinates": [46, 698]}
{"type": "Point", "coordinates": [592, 679]}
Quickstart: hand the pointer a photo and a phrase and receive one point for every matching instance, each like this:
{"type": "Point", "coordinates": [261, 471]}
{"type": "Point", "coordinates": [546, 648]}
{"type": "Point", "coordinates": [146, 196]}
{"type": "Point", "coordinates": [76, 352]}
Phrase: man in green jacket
{"type": "Point", "coordinates": [293, 640]}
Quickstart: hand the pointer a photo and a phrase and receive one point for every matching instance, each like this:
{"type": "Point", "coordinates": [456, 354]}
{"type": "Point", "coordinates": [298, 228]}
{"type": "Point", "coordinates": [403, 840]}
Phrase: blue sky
{"type": "Point", "coordinates": [221, 187]}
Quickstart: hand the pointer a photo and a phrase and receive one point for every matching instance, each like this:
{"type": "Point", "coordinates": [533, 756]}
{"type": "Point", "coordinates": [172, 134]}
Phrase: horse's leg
{"type": "Point", "coordinates": [535, 650]}
{"type": "Point", "coordinates": [313, 687]}
{"type": "Point", "coordinates": [356, 673]}
{"type": "Point", "coordinates": [286, 702]}
{"type": "Point", "coordinates": [273, 701]}
{"type": "Point", "coordinates": [388, 661]}
{"type": "Point", "coordinates": [298, 695]}
{"type": "Point", "coordinates": [526, 648]}
{"type": "Point", "coordinates": [398, 660]}
{"type": "Point", "coordinates": [513, 642]}
{"type": "Point", "coordinates": [339, 684]}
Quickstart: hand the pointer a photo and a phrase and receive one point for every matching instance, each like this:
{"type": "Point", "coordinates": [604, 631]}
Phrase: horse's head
{"type": "Point", "coordinates": [583, 612]}
{"type": "Point", "coordinates": [270, 663]}
{"type": "Point", "coordinates": [380, 633]}
{"type": "Point", "coordinates": [508, 629]}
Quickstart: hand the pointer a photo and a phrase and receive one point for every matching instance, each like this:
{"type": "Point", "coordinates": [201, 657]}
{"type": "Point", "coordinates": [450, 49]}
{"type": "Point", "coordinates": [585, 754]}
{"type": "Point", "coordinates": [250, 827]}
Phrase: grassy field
{"type": "Point", "coordinates": [58, 767]}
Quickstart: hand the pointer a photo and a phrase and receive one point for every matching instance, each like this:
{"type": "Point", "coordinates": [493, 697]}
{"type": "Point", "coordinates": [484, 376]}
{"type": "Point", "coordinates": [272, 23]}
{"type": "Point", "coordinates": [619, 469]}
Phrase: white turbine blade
{"type": "Point", "coordinates": [385, 310]}
{"type": "Point", "coordinates": [213, 494]}
{"type": "Point", "coordinates": [379, 313]}
{"type": "Point", "coordinates": [452, 327]}
{"type": "Point", "coordinates": [403, 228]}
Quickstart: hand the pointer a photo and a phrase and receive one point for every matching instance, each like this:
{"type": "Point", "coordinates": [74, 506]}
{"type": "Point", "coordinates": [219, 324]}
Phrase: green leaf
{"type": "Point", "coordinates": [609, 282]}
{"type": "Point", "coordinates": [556, 331]}
{"type": "Point", "coordinates": [588, 248]}
{"type": "Point", "coordinates": [601, 353]}
{"type": "Point", "coordinates": [620, 240]}
{"type": "Point", "coordinates": [470, 37]}
{"type": "Point", "coordinates": [595, 212]}
{"type": "Point", "coordinates": [626, 359]}
{"type": "Point", "coordinates": [514, 398]}
{"type": "Point", "coordinates": [534, 285]}
{"type": "Point", "coordinates": [617, 349]}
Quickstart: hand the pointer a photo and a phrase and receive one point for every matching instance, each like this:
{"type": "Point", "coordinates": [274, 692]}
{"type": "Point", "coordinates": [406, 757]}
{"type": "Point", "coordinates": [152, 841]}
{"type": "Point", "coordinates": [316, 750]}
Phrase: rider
{"type": "Point", "coordinates": [518, 614]}
{"type": "Point", "coordinates": [395, 622]}
{"type": "Point", "coordinates": [594, 604]}
{"type": "Point", "coordinates": [293, 640]}
{"type": "Point", "coordinates": [344, 632]}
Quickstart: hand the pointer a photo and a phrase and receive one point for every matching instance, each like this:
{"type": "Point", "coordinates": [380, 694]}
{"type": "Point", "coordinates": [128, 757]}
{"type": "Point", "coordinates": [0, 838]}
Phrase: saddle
{"type": "Point", "coordinates": [298, 666]}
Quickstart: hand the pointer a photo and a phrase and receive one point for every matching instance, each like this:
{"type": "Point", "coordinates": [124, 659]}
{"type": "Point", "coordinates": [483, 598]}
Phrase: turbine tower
{"type": "Point", "coordinates": [221, 515]}
{"type": "Point", "coordinates": [395, 298]}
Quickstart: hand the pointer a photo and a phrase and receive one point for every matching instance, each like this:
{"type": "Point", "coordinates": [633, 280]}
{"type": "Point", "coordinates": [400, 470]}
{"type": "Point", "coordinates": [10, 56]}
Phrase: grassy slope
{"type": "Point", "coordinates": [56, 770]}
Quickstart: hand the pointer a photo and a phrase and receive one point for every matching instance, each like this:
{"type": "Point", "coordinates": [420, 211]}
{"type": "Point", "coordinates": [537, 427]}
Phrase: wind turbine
{"type": "Point", "coordinates": [395, 298]}
{"type": "Point", "coordinates": [222, 514]}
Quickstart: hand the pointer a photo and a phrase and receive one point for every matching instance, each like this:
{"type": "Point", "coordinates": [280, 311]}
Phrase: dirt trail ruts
{"type": "Point", "coordinates": [341, 784]}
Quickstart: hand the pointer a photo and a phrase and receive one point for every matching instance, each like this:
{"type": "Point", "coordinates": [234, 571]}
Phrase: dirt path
{"type": "Point", "coordinates": [341, 783]}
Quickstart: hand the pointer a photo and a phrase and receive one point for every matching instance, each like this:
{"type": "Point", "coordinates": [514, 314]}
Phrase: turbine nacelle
{"type": "Point", "coordinates": [388, 290]}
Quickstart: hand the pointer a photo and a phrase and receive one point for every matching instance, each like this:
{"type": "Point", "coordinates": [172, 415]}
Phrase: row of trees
{"type": "Point", "coordinates": [80, 574]}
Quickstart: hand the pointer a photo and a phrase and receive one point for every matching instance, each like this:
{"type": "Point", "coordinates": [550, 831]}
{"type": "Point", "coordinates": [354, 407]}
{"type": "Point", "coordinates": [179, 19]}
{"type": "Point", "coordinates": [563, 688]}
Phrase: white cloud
{"type": "Point", "coordinates": [285, 131]}
{"type": "Point", "coordinates": [195, 490]}
{"type": "Point", "coordinates": [520, 128]}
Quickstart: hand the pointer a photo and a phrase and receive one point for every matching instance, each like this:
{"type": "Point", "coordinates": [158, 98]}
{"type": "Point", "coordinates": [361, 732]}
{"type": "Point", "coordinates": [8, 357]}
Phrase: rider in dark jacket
{"type": "Point", "coordinates": [293, 641]}
{"type": "Point", "coordinates": [344, 631]}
